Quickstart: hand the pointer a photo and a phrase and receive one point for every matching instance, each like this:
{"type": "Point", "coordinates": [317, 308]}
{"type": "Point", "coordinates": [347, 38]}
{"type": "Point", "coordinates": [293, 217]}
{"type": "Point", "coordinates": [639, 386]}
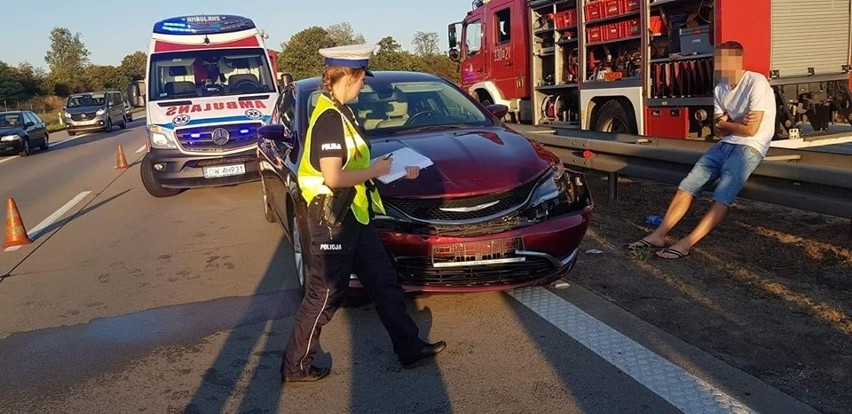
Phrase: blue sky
{"type": "Point", "coordinates": [113, 29]}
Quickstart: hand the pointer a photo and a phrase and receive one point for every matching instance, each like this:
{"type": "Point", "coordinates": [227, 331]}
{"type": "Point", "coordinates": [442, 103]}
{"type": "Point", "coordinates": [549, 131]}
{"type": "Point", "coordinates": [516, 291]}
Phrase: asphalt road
{"type": "Point", "coordinates": [127, 303]}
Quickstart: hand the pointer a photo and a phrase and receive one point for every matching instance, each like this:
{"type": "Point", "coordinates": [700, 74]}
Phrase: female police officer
{"type": "Point", "coordinates": [336, 162]}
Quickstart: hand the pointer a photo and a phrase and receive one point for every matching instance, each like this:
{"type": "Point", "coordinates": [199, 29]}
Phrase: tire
{"type": "Point", "coordinates": [130, 117]}
{"type": "Point", "coordinates": [150, 182]}
{"type": "Point", "coordinates": [268, 214]}
{"type": "Point", "coordinates": [71, 133]}
{"type": "Point", "coordinates": [46, 144]}
{"type": "Point", "coordinates": [123, 122]}
{"type": "Point", "coordinates": [613, 118]}
{"type": "Point", "coordinates": [108, 127]}
{"type": "Point", "coordinates": [300, 260]}
{"type": "Point", "coordinates": [25, 148]}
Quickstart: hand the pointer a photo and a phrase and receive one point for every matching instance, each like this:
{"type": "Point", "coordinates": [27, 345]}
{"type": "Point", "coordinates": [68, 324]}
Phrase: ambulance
{"type": "Point", "coordinates": [210, 84]}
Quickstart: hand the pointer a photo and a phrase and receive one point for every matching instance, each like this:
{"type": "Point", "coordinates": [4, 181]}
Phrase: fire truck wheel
{"type": "Point", "coordinates": [612, 117]}
{"type": "Point", "coordinates": [150, 182]}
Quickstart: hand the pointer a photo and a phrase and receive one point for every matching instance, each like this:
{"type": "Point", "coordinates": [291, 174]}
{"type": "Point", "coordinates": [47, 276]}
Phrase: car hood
{"type": "Point", "coordinates": [467, 162]}
{"type": "Point", "coordinates": [11, 131]}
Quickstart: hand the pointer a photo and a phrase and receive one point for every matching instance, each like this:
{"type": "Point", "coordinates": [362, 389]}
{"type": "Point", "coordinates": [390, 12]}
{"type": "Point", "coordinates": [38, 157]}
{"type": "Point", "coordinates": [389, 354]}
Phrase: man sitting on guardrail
{"type": "Point", "coordinates": [744, 113]}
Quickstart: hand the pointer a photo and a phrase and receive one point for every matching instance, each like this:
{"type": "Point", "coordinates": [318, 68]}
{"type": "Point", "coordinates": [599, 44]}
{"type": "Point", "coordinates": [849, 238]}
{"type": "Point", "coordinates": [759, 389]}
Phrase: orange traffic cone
{"type": "Point", "coordinates": [121, 162]}
{"type": "Point", "coordinates": [16, 234]}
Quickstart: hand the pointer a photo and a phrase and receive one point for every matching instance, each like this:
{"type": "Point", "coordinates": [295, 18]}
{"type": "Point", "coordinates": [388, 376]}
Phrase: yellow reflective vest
{"type": "Point", "coordinates": [311, 181]}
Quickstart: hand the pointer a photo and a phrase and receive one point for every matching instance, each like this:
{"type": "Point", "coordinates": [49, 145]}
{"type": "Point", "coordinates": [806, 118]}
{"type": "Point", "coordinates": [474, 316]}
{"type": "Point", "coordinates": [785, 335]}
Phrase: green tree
{"type": "Point", "coordinates": [99, 77]}
{"type": "Point", "coordinates": [342, 34]}
{"type": "Point", "coordinates": [300, 55]}
{"type": "Point", "coordinates": [133, 65]}
{"type": "Point", "coordinates": [30, 79]}
{"type": "Point", "coordinates": [10, 85]}
{"type": "Point", "coordinates": [426, 44]}
{"type": "Point", "coordinates": [67, 59]}
{"type": "Point", "coordinates": [390, 56]}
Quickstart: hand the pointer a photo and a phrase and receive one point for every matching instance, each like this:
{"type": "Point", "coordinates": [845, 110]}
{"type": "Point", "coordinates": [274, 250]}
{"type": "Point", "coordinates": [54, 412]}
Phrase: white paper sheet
{"type": "Point", "coordinates": [403, 157]}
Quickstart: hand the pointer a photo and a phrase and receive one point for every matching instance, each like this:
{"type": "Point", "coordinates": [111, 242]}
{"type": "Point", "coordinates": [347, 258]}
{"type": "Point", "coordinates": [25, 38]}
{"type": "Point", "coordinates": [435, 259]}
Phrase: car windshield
{"type": "Point", "coordinates": [10, 120]}
{"type": "Point", "coordinates": [385, 107]}
{"type": "Point", "coordinates": [191, 74]}
{"type": "Point", "coordinates": [76, 101]}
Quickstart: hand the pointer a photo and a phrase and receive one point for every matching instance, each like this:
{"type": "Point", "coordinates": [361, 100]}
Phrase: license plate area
{"type": "Point", "coordinates": [477, 253]}
{"type": "Point", "coordinates": [224, 170]}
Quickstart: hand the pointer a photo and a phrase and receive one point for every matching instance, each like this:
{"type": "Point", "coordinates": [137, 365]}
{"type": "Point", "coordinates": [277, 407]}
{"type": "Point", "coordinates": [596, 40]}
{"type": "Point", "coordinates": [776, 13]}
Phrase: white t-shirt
{"type": "Point", "coordinates": [753, 93]}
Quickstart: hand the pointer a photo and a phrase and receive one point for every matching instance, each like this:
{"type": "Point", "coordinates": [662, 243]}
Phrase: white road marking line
{"type": "Point", "coordinates": [683, 390]}
{"type": "Point", "coordinates": [52, 218]}
{"type": "Point", "coordinates": [9, 158]}
{"type": "Point", "coordinates": [142, 148]}
{"type": "Point", "coordinates": [69, 139]}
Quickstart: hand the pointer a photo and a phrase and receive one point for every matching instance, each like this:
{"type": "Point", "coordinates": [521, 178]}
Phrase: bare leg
{"type": "Point", "coordinates": [709, 222]}
{"type": "Point", "coordinates": [677, 209]}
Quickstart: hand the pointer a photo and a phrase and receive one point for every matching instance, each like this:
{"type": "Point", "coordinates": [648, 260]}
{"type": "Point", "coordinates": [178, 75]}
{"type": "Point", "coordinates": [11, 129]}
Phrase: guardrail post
{"type": "Point", "coordinates": [613, 186]}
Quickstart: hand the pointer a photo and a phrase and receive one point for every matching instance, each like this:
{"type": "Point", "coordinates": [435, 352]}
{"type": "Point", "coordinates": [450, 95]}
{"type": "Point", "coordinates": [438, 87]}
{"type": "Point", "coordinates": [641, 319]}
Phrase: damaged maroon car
{"type": "Point", "coordinates": [495, 211]}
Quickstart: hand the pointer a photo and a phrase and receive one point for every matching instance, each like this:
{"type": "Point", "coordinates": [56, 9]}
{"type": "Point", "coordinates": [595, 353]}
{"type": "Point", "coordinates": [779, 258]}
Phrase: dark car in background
{"type": "Point", "coordinates": [496, 210]}
{"type": "Point", "coordinates": [21, 131]}
{"type": "Point", "coordinates": [94, 111]}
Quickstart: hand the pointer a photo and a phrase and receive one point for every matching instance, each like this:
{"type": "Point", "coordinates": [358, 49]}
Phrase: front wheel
{"type": "Point", "coordinates": [45, 145]}
{"type": "Point", "coordinates": [25, 148]}
{"type": "Point", "coordinates": [150, 182]}
{"type": "Point", "coordinates": [108, 126]}
{"type": "Point", "coordinates": [123, 122]}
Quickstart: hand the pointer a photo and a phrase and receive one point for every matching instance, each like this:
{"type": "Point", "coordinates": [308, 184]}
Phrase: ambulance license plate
{"type": "Point", "coordinates": [224, 171]}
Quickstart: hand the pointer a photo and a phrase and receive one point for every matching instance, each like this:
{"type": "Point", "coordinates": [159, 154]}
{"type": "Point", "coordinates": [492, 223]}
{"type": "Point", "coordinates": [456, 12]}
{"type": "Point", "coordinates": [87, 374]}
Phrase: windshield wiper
{"type": "Point", "coordinates": [434, 128]}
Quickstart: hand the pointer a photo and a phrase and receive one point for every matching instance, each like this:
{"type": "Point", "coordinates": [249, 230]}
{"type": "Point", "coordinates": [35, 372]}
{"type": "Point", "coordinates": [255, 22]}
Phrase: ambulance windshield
{"type": "Point", "coordinates": [189, 74]}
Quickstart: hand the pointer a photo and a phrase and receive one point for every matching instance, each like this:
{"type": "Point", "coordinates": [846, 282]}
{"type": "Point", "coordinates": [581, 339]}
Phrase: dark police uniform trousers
{"type": "Point", "coordinates": [335, 253]}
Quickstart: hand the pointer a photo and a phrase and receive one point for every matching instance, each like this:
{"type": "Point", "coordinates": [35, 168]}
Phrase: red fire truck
{"type": "Point", "coordinates": [646, 66]}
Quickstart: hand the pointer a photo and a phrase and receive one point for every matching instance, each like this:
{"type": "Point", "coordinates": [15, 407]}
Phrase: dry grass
{"type": "Point", "coordinates": [770, 291]}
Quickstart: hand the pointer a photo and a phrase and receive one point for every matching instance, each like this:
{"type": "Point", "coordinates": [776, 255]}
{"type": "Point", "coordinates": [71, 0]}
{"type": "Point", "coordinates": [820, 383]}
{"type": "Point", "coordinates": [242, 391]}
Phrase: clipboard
{"type": "Point", "coordinates": [403, 157]}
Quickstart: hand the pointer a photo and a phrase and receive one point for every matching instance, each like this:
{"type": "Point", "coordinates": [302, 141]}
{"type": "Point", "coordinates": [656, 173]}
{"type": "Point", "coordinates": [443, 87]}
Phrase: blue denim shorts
{"type": "Point", "coordinates": [731, 164]}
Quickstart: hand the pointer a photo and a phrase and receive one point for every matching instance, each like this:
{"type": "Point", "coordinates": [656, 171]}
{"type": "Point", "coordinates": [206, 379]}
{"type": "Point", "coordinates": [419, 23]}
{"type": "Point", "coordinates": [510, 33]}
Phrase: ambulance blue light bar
{"type": "Point", "coordinates": [203, 24]}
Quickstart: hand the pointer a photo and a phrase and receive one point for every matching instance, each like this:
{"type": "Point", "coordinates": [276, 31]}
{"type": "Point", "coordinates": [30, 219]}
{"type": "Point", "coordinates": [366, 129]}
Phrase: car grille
{"type": "Point", "coordinates": [200, 139]}
{"type": "Point", "coordinates": [430, 209]}
{"type": "Point", "coordinates": [88, 116]}
{"type": "Point", "coordinates": [419, 271]}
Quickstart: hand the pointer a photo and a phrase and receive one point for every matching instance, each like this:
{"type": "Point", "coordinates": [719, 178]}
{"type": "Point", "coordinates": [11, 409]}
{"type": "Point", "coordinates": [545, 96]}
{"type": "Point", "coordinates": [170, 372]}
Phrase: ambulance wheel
{"type": "Point", "coordinates": [613, 118]}
{"type": "Point", "coordinates": [150, 183]}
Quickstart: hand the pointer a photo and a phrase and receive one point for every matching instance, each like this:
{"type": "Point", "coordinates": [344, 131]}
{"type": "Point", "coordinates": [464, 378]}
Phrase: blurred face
{"type": "Point", "coordinates": [728, 64]}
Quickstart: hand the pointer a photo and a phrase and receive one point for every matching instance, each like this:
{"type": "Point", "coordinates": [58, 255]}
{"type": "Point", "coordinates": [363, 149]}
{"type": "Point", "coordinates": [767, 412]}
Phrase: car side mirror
{"type": "Point", "coordinates": [29, 124]}
{"type": "Point", "coordinates": [499, 110]}
{"type": "Point", "coordinates": [276, 132]}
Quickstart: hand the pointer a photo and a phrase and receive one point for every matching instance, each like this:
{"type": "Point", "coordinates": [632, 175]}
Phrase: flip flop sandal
{"type": "Point", "coordinates": [676, 253]}
{"type": "Point", "coordinates": [642, 244]}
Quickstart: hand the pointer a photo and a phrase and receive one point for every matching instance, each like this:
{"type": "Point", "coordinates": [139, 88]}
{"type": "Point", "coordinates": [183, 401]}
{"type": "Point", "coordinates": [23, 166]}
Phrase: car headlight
{"type": "Point", "coordinates": [162, 141]}
{"type": "Point", "coordinates": [67, 115]}
{"type": "Point", "coordinates": [100, 112]}
{"type": "Point", "coordinates": [7, 138]}
{"type": "Point", "coordinates": [549, 188]}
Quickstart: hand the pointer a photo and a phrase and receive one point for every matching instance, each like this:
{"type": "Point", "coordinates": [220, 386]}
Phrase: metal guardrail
{"type": "Point", "coordinates": [806, 180]}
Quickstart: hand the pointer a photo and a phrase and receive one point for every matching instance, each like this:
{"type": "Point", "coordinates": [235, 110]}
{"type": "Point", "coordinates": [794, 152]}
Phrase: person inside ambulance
{"type": "Point", "coordinates": [207, 76]}
{"type": "Point", "coordinates": [335, 176]}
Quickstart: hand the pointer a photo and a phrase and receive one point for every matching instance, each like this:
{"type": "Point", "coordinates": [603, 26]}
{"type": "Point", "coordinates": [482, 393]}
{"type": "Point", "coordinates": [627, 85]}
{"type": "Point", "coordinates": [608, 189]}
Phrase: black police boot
{"type": "Point", "coordinates": [428, 350]}
{"type": "Point", "coordinates": [314, 374]}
